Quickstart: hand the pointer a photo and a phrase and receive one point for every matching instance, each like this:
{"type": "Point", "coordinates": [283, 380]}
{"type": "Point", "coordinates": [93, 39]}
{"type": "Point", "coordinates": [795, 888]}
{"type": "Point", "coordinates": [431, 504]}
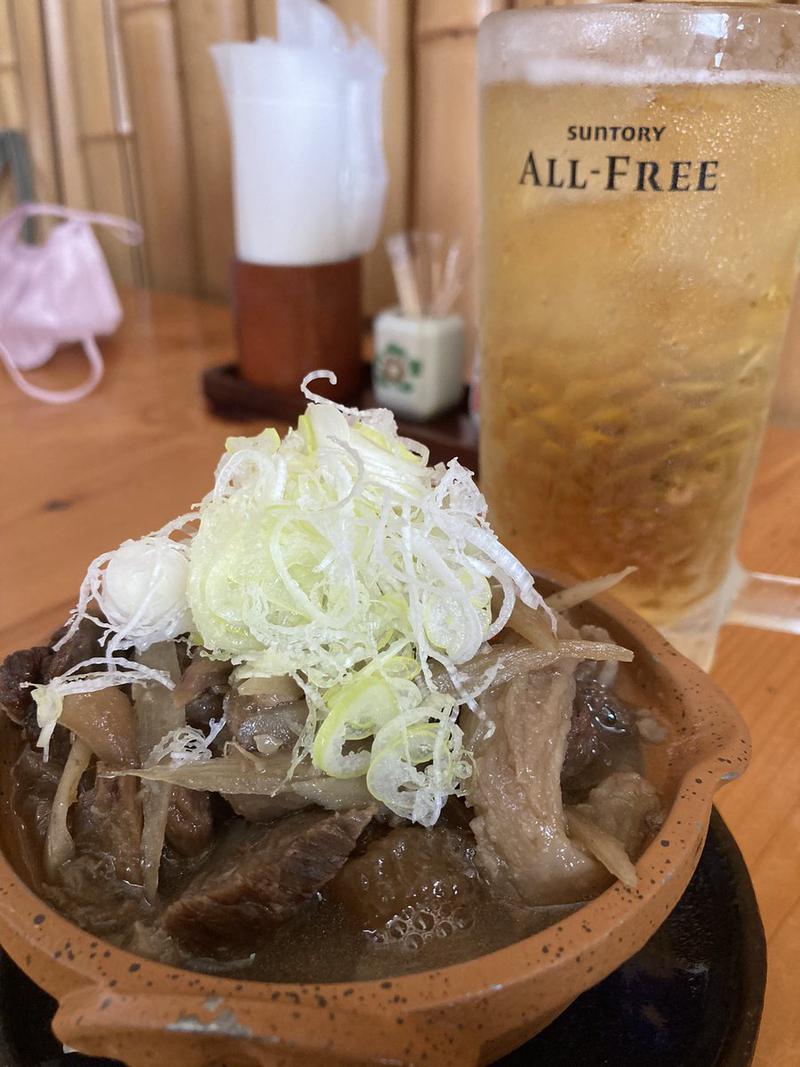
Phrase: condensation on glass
{"type": "Point", "coordinates": [640, 170]}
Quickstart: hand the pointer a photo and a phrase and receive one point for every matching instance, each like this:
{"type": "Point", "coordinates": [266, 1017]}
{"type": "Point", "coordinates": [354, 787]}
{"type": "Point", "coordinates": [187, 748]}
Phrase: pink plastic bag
{"type": "Point", "coordinates": [55, 293]}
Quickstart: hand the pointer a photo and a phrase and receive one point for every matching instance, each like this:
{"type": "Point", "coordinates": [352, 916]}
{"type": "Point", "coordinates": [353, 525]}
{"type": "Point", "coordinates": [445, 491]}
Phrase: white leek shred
{"type": "Point", "coordinates": [49, 698]}
{"type": "Point", "coordinates": [577, 594]}
{"type": "Point", "coordinates": [330, 555]}
{"type": "Point", "coordinates": [186, 745]}
{"type": "Point", "coordinates": [140, 589]}
{"type": "Point", "coordinates": [418, 761]}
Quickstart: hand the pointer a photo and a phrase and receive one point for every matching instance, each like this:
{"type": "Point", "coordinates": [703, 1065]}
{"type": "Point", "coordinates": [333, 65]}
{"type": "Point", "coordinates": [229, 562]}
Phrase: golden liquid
{"type": "Point", "coordinates": [629, 339]}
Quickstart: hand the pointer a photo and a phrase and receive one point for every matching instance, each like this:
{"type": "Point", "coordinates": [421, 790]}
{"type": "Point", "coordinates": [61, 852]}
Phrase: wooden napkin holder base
{"type": "Point", "coordinates": [292, 320]}
{"type": "Point", "coordinates": [289, 321]}
{"type": "Point", "coordinates": [229, 396]}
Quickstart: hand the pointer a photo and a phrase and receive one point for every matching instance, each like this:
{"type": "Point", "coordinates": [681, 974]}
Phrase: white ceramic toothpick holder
{"type": "Point", "coordinates": [418, 368]}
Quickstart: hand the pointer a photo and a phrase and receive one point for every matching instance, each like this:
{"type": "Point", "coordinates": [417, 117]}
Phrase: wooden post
{"type": "Point", "coordinates": [445, 192]}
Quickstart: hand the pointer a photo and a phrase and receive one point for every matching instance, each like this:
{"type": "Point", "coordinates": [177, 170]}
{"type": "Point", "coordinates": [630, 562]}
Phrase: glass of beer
{"type": "Point", "coordinates": [640, 173]}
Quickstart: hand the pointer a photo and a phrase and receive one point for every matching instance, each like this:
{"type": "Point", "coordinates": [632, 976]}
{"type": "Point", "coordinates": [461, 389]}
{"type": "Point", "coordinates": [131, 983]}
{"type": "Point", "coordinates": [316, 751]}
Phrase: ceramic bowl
{"type": "Point", "coordinates": [114, 1004]}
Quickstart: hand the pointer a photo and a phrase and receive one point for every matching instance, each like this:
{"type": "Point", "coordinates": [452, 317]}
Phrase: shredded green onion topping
{"type": "Point", "coordinates": [337, 556]}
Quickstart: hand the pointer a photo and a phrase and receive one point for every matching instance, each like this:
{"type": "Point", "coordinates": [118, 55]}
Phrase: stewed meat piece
{"type": "Point", "coordinates": [32, 666]}
{"type": "Point", "coordinates": [83, 645]}
{"type": "Point", "coordinates": [625, 805]}
{"type": "Point", "coordinates": [35, 784]}
{"type": "Point", "coordinates": [257, 807]}
{"type": "Point", "coordinates": [602, 731]}
{"type": "Point", "coordinates": [410, 866]}
{"type": "Point", "coordinates": [17, 673]}
{"type": "Point", "coordinates": [190, 823]}
{"type": "Point", "coordinates": [267, 874]}
{"type": "Point", "coordinates": [515, 789]}
{"type": "Point", "coordinates": [270, 719]}
{"type": "Point", "coordinates": [107, 822]}
{"type": "Point", "coordinates": [202, 690]}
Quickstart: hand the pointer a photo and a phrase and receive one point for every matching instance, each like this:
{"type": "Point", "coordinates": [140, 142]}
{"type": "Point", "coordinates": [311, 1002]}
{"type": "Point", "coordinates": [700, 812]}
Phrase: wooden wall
{"type": "Point", "coordinates": [122, 108]}
{"type": "Point", "coordinates": [123, 112]}
{"type": "Point", "coordinates": [120, 102]}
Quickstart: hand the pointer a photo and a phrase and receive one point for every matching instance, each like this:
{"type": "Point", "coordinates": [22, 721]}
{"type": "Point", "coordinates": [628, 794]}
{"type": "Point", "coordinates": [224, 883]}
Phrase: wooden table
{"type": "Point", "coordinates": [78, 480]}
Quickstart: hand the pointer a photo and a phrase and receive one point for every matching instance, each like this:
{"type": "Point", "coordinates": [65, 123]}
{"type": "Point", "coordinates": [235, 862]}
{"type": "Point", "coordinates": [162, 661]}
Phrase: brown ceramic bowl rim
{"type": "Point", "coordinates": [727, 756]}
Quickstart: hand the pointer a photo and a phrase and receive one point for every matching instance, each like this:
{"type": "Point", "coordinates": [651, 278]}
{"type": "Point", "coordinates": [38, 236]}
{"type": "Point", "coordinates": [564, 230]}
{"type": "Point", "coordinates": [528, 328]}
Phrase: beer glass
{"type": "Point", "coordinates": [640, 173]}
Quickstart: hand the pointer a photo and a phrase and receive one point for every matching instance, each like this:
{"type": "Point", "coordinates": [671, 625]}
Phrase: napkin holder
{"type": "Point", "coordinates": [289, 321]}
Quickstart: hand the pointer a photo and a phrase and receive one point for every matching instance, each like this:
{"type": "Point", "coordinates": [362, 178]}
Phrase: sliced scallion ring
{"type": "Point", "coordinates": [357, 711]}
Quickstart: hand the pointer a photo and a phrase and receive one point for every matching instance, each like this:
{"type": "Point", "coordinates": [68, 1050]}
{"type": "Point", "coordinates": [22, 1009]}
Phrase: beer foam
{"type": "Point", "coordinates": [585, 72]}
{"type": "Point", "coordinates": [640, 45]}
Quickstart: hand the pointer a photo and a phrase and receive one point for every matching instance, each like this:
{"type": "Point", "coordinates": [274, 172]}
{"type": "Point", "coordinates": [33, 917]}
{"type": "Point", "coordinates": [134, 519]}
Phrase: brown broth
{"type": "Point", "coordinates": [294, 951]}
{"type": "Point", "coordinates": [324, 941]}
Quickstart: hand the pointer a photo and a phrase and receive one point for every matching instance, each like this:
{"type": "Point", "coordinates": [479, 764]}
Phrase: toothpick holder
{"type": "Point", "coordinates": [418, 368]}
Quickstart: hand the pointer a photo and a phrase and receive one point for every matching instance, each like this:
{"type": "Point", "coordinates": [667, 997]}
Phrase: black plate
{"type": "Point", "coordinates": [691, 998]}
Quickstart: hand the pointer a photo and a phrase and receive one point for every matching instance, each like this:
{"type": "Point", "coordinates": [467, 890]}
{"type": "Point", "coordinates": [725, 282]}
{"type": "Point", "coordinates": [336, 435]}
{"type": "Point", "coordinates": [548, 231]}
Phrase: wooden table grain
{"type": "Point", "coordinates": [77, 480]}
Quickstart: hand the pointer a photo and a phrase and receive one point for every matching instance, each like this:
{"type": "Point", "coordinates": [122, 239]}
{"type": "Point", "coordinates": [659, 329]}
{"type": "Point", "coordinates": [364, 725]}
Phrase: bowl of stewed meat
{"type": "Point", "coordinates": [320, 773]}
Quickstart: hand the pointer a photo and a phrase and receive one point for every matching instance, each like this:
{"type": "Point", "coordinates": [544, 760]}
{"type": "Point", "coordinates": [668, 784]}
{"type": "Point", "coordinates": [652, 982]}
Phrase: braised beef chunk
{"type": "Point", "coordinates": [39, 664]}
{"type": "Point", "coordinates": [626, 805]}
{"type": "Point", "coordinates": [92, 894]}
{"type": "Point", "coordinates": [515, 790]}
{"type": "Point", "coordinates": [202, 690]}
{"type": "Point", "coordinates": [107, 822]}
{"type": "Point", "coordinates": [258, 808]}
{"type": "Point", "coordinates": [96, 889]}
{"type": "Point", "coordinates": [84, 644]}
{"type": "Point", "coordinates": [583, 742]}
{"type": "Point", "coordinates": [18, 672]}
{"type": "Point", "coordinates": [204, 708]}
{"type": "Point", "coordinates": [35, 783]}
{"type": "Point", "coordinates": [190, 825]}
{"type": "Point", "coordinates": [603, 727]}
{"type": "Point", "coordinates": [262, 722]}
{"type": "Point", "coordinates": [410, 866]}
{"type": "Point", "coordinates": [241, 894]}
